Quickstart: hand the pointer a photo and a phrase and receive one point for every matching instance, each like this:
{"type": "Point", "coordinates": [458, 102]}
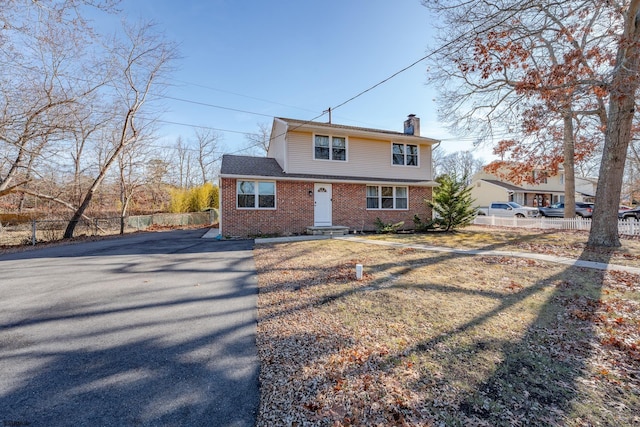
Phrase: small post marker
{"type": "Point", "coordinates": [359, 271]}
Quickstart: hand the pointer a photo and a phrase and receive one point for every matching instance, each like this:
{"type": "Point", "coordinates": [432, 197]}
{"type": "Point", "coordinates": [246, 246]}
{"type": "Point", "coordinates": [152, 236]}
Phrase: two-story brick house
{"type": "Point", "coordinates": [326, 175]}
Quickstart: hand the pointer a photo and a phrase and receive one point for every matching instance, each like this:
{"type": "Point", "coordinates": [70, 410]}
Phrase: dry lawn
{"type": "Point", "coordinates": [440, 339]}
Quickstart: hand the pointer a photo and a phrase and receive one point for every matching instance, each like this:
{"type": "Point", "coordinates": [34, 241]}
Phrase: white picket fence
{"type": "Point", "coordinates": [627, 227]}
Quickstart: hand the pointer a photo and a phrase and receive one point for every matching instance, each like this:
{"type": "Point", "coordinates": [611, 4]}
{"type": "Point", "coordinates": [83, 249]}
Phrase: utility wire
{"type": "Point", "coordinates": [383, 81]}
{"type": "Point", "coordinates": [211, 105]}
{"type": "Point", "coordinates": [204, 127]}
{"type": "Point", "coordinates": [242, 95]}
{"type": "Point", "coordinates": [427, 56]}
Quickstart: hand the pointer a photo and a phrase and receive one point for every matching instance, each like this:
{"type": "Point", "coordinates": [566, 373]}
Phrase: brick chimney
{"type": "Point", "coordinates": [412, 125]}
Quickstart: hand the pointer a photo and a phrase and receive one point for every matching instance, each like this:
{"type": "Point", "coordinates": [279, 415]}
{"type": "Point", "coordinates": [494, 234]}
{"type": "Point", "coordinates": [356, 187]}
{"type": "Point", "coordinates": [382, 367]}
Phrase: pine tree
{"type": "Point", "coordinates": [452, 202]}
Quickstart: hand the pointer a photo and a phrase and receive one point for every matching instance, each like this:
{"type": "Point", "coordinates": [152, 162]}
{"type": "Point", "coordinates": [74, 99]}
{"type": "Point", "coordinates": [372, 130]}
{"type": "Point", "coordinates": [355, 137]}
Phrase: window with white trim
{"type": "Point", "coordinates": [404, 154]}
{"type": "Point", "coordinates": [256, 195]}
{"type": "Point", "coordinates": [387, 197]}
{"type": "Point", "coordinates": [330, 148]}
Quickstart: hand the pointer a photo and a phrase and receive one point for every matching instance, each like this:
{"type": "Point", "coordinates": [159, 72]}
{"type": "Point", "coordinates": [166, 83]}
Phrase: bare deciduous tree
{"type": "Point", "coordinates": [258, 143]}
{"type": "Point", "coordinates": [623, 88]}
{"type": "Point", "coordinates": [459, 165]}
{"type": "Point", "coordinates": [207, 141]}
{"type": "Point", "coordinates": [530, 71]}
{"type": "Point", "coordinates": [132, 162]}
{"type": "Point", "coordinates": [139, 64]}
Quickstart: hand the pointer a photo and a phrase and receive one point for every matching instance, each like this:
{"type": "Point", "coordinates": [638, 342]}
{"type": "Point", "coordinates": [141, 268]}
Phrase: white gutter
{"type": "Point", "coordinates": [368, 180]}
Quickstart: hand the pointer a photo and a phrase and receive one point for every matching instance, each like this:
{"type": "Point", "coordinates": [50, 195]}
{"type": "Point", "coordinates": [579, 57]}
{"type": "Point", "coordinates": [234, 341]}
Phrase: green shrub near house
{"type": "Point", "coordinates": [452, 203]}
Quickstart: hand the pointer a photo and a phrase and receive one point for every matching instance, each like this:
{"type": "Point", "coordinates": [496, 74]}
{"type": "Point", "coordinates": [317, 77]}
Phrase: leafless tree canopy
{"type": "Point", "coordinates": [73, 102]}
{"type": "Point", "coordinates": [258, 142]}
{"type": "Point", "coordinates": [460, 164]}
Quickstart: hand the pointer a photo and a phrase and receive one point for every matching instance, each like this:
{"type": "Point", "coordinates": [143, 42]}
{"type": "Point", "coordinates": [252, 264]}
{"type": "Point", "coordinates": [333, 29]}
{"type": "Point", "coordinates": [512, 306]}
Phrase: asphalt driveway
{"type": "Point", "coordinates": [151, 329]}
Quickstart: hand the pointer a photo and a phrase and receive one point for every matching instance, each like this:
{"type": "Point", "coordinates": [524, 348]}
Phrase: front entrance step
{"type": "Point", "coordinates": [335, 230]}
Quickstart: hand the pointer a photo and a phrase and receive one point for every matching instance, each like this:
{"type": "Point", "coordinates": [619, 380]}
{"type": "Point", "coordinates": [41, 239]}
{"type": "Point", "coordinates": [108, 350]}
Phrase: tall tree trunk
{"type": "Point", "coordinates": [123, 212]}
{"type": "Point", "coordinates": [122, 143]}
{"type": "Point", "coordinates": [569, 169]}
{"type": "Point", "coordinates": [604, 228]}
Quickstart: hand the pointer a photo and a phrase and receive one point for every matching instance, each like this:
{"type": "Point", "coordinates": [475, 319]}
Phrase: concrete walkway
{"type": "Point", "coordinates": [540, 257]}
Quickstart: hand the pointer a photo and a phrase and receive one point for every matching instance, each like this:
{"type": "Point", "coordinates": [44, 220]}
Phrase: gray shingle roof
{"type": "Point", "coordinates": [509, 187]}
{"type": "Point", "coordinates": [248, 166]}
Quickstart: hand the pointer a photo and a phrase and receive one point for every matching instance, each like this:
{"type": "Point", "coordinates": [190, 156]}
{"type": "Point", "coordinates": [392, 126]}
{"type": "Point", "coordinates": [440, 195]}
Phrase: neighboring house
{"type": "Point", "coordinates": [321, 176]}
{"type": "Point", "coordinates": [487, 188]}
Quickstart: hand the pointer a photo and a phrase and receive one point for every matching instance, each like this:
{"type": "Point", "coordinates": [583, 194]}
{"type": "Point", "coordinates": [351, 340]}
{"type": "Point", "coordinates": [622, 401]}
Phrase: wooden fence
{"type": "Point", "coordinates": [629, 227]}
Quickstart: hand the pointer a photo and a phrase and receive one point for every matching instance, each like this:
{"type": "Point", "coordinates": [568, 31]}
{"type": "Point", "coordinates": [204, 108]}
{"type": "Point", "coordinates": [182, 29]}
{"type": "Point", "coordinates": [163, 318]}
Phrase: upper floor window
{"type": "Point", "coordinates": [540, 177]}
{"type": "Point", "coordinates": [256, 194]}
{"type": "Point", "coordinates": [405, 154]}
{"type": "Point", "coordinates": [330, 148]}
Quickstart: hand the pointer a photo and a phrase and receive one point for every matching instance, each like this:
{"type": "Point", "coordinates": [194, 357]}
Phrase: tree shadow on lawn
{"type": "Point", "coordinates": [536, 382]}
{"type": "Point", "coordinates": [537, 379]}
{"type": "Point", "coordinates": [343, 271]}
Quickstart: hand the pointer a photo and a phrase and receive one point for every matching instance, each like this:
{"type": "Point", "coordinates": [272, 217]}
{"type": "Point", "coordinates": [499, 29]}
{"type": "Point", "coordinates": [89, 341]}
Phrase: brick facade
{"type": "Point", "coordinates": [294, 209]}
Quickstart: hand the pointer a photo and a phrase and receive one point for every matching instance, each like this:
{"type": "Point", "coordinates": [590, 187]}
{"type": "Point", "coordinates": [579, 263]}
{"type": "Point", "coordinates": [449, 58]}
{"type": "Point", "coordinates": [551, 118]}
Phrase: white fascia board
{"type": "Point", "coordinates": [369, 134]}
{"type": "Point", "coordinates": [285, 167]}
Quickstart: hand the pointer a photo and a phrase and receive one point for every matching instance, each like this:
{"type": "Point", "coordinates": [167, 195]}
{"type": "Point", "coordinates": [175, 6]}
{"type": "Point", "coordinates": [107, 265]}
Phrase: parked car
{"type": "Point", "coordinates": [629, 213]}
{"type": "Point", "coordinates": [583, 210]}
{"type": "Point", "coordinates": [508, 209]}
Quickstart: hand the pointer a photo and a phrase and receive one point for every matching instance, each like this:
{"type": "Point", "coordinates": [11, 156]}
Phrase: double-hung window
{"type": "Point", "coordinates": [385, 197]}
{"type": "Point", "coordinates": [256, 194]}
{"type": "Point", "coordinates": [405, 154]}
{"type": "Point", "coordinates": [330, 148]}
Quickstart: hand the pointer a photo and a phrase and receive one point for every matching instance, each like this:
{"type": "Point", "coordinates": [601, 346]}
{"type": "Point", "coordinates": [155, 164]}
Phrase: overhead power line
{"type": "Point", "coordinates": [413, 64]}
{"type": "Point", "coordinates": [243, 96]}
{"type": "Point", "coordinates": [212, 105]}
{"type": "Point", "coordinates": [382, 81]}
{"type": "Point", "coordinates": [204, 127]}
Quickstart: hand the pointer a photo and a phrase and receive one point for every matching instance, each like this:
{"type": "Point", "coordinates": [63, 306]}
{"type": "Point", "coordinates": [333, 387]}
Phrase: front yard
{"type": "Point", "coordinates": [432, 338]}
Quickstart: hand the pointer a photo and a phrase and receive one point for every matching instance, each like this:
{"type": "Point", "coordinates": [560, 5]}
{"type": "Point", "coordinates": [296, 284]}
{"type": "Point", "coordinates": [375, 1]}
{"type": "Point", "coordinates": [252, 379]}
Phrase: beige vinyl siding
{"type": "Point", "coordinates": [487, 193]}
{"type": "Point", "coordinates": [278, 145]}
{"type": "Point", "coordinates": [365, 158]}
{"type": "Point", "coordinates": [552, 184]}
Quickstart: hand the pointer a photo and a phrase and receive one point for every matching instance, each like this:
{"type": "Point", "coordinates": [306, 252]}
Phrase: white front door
{"type": "Point", "coordinates": [322, 205]}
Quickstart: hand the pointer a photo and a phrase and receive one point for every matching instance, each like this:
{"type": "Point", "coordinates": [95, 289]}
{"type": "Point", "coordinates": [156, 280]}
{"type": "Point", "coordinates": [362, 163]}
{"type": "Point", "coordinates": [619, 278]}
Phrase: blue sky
{"type": "Point", "coordinates": [295, 59]}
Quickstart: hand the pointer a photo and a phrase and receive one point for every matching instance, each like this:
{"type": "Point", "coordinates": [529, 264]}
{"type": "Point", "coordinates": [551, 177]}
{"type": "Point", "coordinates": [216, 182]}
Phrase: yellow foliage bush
{"type": "Point", "coordinates": [194, 199]}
